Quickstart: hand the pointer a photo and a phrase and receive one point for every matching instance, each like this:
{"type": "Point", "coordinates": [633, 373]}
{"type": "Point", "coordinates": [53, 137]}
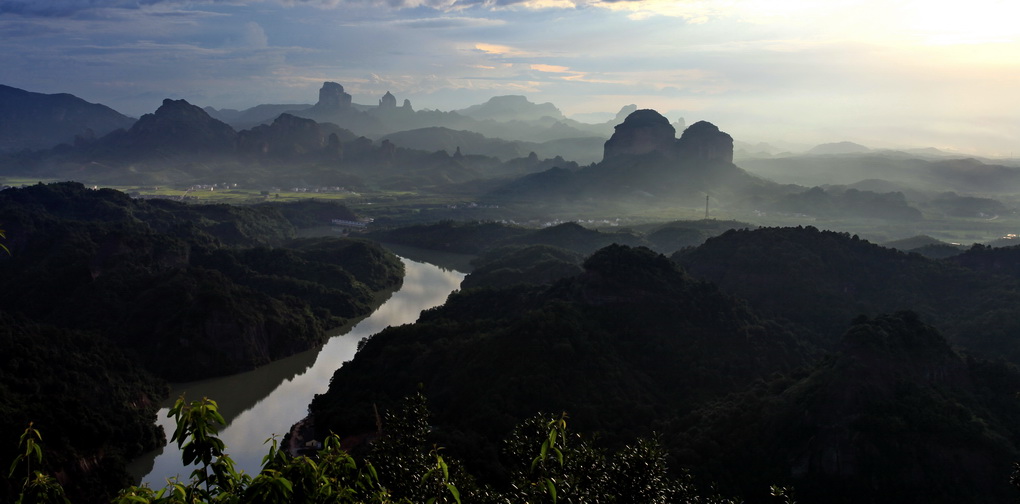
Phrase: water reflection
{"type": "Point", "coordinates": [268, 400]}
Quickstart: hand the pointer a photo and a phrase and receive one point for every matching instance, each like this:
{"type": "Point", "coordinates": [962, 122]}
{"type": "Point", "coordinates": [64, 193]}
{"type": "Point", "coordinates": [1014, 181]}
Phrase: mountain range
{"type": "Point", "coordinates": [38, 121]}
{"type": "Point", "coordinates": [526, 157]}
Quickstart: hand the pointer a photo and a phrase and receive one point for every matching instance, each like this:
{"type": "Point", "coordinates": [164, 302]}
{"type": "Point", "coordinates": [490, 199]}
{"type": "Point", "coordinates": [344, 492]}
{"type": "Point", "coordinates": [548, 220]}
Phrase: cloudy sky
{"type": "Point", "coordinates": [882, 73]}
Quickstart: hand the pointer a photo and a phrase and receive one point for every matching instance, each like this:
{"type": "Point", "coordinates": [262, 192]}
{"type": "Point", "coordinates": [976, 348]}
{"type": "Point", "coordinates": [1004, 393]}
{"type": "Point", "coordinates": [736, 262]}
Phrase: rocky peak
{"type": "Point", "coordinates": [643, 131]}
{"type": "Point", "coordinates": [333, 97]}
{"type": "Point", "coordinates": [178, 110]}
{"type": "Point", "coordinates": [625, 111]}
{"type": "Point", "coordinates": [178, 124]}
{"type": "Point", "coordinates": [388, 101]}
{"type": "Point", "coordinates": [704, 141]}
{"type": "Point", "coordinates": [407, 105]}
{"type": "Point", "coordinates": [288, 135]}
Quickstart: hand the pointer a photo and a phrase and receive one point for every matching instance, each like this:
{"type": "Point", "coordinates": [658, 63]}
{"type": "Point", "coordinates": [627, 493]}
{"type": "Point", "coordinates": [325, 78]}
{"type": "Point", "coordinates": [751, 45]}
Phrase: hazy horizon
{"type": "Point", "coordinates": [882, 74]}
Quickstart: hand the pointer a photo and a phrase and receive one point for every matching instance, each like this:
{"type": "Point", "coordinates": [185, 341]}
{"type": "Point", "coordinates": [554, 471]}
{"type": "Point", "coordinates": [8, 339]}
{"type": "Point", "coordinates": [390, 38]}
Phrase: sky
{"type": "Point", "coordinates": [883, 73]}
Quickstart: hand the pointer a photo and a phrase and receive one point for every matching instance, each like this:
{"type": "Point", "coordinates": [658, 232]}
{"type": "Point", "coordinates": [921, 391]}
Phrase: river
{"type": "Point", "coordinates": [267, 401]}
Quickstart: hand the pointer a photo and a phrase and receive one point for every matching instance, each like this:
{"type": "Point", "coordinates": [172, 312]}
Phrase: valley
{"type": "Point", "coordinates": [839, 318]}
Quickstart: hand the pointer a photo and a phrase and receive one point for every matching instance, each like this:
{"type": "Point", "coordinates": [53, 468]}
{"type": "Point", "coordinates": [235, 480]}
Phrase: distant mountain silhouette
{"type": "Point", "coordinates": [838, 148]}
{"type": "Point", "coordinates": [254, 116]}
{"type": "Point", "coordinates": [290, 136]}
{"type": "Point", "coordinates": [176, 128]}
{"type": "Point", "coordinates": [511, 108]}
{"type": "Point", "coordinates": [469, 142]}
{"type": "Point", "coordinates": [907, 170]}
{"type": "Point", "coordinates": [583, 150]}
{"type": "Point", "coordinates": [39, 121]}
{"type": "Point", "coordinates": [335, 106]}
{"type": "Point", "coordinates": [512, 118]}
{"type": "Point", "coordinates": [644, 161]}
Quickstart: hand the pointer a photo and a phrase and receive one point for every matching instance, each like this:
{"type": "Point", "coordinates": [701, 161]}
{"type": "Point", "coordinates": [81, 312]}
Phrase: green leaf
{"type": "Point", "coordinates": [453, 490]}
{"type": "Point", "coordinates": [549, 485]}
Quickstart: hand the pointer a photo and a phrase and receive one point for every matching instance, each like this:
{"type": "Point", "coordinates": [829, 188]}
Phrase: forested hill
{"type": "Point", "coordinates": [159, 278]}
{"type": "Point", "coordinates": [629, 342]}
{"type": "Point", "coordinates": [632, 344]}
{"type": "Point", "coordinates": [823, 279]}
{"type": "Point", "coordinates": [100, 292]}
{"type": "Point", "coordinates": [95, 405]}
{"type": "Point", "coordinates": [892, 416]}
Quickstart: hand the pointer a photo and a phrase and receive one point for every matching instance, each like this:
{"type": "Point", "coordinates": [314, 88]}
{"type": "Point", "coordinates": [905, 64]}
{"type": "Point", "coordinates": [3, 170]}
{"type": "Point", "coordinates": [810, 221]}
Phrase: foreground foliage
{"type": "Point", "coordinates": [550, 464]}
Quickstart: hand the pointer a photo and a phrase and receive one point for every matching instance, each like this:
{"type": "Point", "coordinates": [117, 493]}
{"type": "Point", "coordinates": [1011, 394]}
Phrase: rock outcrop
{"type": "Point", "coordinates": [643, 131]}
{"type": "Point", "coordinates": [335, 106]}
{"type": "Point", "coordinates": [703, 141]}
{"type": "Point", "coordinates": [388, 101]}
{"type": "Point", "coordinates": [332, 97]}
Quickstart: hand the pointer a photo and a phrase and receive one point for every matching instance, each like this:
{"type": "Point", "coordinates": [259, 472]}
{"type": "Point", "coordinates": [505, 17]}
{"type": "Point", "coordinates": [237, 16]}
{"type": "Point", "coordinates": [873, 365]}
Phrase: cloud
{"type": "Point", "coordinates": [446, 22]}
{"type": "Point", "coordinates": [499, 50]}
{"type": "Point", "coordinates": [68, 8]}
{"type": "Point", "coordinates": [551, 68]}
{"type": "Point", "coordinates": [255, 35]}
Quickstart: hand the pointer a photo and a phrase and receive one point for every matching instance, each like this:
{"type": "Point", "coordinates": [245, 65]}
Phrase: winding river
{"type": "Point", "coordinates": [267, 401]}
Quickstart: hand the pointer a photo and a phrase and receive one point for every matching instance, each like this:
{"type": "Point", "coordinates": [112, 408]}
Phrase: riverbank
{"type": "Point", "coordinates": [277, 395]}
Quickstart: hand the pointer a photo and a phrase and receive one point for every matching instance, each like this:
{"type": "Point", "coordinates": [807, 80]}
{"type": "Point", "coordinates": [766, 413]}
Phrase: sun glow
{"type": "Point", "coordinates": [974, 22]}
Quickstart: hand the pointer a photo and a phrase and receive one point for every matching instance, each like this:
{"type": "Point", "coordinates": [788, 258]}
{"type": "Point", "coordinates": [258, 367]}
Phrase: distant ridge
{"type": "Point", "coordinates": [511, 108]}
{"type": "Point", "coordinates": [39, 121]}
{"type": "Point", "coordinates": [838, 148]}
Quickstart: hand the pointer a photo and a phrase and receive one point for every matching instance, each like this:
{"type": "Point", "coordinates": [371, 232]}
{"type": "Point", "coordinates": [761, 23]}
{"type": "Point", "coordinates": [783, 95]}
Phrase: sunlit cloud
{"type": "Point", "coordinates": [499, 50]}
{"type": "Point", "coordinates": [551, 68]}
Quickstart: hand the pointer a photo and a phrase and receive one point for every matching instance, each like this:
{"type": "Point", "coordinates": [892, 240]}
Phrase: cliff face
{"type": "Point", "coordinates": [332, 98]}
{"type": "Point", "coordinates": [335, 106]}
{"type": "Point", "coordinates": [645, 131]}
{"type": "Point", "coordinates": [703, 141]}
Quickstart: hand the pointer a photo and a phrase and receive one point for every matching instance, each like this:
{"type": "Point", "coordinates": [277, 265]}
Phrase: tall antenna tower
{"type": "Point", "coordinates": [706, 206]}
